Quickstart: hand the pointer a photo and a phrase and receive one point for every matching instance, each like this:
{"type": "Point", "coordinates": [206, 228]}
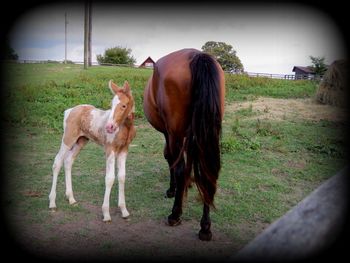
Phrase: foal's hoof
{"type": "Point", "coordinates": [173, 222]}
{"type": "Point", "coordinates": [107, 219]}
{"type": "Point", "coordinates": [53, 209]}
{"type": "Point", "coordinates": [169, 193]}
{"type": "Point", "coordinates": [126, 217]}
{"type": "Point", "coordinates": [205, 235]}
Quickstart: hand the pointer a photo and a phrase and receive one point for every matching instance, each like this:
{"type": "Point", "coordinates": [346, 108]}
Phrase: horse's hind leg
{"type": "Point", "coordinates": [205, 233]}
{"type": "Point", "coordinates": [171, 191]}
{"type": "Point", "coordinates": [68, 163]}
{"type": "Point", "coordinates": [179, 169]}
{"type": "Point", "coordinates": [56, 167]}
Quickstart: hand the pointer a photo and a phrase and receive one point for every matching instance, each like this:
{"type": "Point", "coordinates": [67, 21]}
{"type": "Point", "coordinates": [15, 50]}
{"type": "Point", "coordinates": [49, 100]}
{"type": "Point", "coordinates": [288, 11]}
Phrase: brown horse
{"type": "Point", "coordinates": [184, 99]}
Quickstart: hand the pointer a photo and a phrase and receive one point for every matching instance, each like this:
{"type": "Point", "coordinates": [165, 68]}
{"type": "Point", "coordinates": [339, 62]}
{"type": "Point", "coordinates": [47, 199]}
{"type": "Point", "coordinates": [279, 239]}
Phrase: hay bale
{"type": "Point", "coordinates": [333, 88]}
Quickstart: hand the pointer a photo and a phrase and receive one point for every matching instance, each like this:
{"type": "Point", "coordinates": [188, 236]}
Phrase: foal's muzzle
{"type": "Point", "coordinates": [111, 128]}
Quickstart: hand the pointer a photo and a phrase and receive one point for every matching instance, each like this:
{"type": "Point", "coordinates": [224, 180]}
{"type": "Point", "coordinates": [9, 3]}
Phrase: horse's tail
{"type": "Point", "coordinates": [203, 135]}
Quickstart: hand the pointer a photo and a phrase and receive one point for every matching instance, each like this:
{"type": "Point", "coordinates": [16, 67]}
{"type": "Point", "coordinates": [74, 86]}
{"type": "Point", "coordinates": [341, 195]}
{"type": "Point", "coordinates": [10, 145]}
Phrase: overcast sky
{"type": "Point", "coordinates": [269, 38]}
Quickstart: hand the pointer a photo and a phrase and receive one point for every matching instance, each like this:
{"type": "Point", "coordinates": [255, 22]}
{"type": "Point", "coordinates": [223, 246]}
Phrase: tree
{"type": "Point", "coordinates": [8, 53]}
{"type": "Point", "coordinates": [225, 55]}
{"type": "Point", "coordinates": [117, 55]}
{"type": "Point", "coordinates": [318, 65]}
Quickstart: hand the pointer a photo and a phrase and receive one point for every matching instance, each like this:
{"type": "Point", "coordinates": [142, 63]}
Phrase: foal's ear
{"type": "Point", "coordinates": [113, 87]}
{"type": "Point", "coordinates": [126, 87]}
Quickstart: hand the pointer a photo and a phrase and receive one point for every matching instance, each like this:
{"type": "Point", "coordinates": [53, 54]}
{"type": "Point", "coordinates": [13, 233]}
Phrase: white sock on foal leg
{"type": "Point", "coordinates": [121, 182]}
{"type": "Point", "coordinates": [109, 181]}
{"type": "Point", "coordinates": [56, 167]}
{"type": "Point", "coordinates": [68, 163]}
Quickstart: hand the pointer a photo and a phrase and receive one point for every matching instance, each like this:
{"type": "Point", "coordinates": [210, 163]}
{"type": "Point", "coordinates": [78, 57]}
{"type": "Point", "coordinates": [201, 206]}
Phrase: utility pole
{"type": "Point", "coordinates": [87, 34]}
{"type": "Point", "coordinates": [65, 38]}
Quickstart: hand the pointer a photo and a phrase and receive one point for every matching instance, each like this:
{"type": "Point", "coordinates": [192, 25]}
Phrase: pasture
{"type": "Point", "coordinates": [277, 146]}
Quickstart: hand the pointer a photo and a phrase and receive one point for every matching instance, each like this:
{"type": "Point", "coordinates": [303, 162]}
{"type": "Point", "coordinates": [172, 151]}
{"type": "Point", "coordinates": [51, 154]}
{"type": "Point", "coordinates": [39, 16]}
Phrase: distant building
{"type": "Point", "coordinates": [303, 72]}
{"type": "Point", "coordinates": [148, 63]}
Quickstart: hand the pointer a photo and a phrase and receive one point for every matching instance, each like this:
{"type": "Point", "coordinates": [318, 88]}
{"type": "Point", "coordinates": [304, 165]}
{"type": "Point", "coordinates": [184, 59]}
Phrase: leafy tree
{"type": "Point", "coordinates": [318, 65]}
{"type": "Point", "coordinates": [225, 55]}
{"type": "Point", "coordinates": [8, 52]}
{"type": "Point", "coordinates": [117, 55]}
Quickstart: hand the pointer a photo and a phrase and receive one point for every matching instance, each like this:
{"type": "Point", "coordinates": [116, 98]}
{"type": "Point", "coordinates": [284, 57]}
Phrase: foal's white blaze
{"type": "Point", "coordinates": [111, 126]}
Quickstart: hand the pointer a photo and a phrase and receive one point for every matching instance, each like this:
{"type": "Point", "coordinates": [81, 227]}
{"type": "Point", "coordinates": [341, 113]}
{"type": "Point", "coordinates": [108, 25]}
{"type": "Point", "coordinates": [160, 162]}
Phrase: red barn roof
{"type": "Point", "coordinates": [148, 63]}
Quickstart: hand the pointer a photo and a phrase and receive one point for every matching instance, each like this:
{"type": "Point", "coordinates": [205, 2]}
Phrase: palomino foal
{"type": "Point", "coordinates": [114, 129]}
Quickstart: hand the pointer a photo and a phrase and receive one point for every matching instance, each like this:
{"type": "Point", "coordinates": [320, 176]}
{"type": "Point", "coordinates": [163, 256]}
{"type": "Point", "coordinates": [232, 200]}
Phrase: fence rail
{"type": "Point", "coordinates": [250, 74]}
{"type": "Point", "coordinates": [282, 76]}
{"type": "Point", "coordinates": [33, 61]}
{"type": "Point", "coordinates": [270, 75]}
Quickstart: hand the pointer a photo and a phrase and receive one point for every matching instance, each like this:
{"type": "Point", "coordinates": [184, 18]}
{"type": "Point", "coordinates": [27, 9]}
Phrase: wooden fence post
{"type": "Point", "coordinates": [309, 229]}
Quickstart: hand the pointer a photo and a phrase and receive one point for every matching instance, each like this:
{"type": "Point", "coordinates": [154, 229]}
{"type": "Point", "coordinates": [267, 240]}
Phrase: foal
{"type": "Point", "coordinates": [114, 129]}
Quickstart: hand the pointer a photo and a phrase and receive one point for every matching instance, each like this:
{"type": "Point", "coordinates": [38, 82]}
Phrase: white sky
{"type": "Point", "coordinates": [270, 38]}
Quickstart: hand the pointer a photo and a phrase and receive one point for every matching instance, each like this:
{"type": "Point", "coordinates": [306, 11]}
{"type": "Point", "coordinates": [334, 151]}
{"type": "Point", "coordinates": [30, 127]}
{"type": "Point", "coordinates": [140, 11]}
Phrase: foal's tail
{"type": "Point", "coordinates": [203, 137]}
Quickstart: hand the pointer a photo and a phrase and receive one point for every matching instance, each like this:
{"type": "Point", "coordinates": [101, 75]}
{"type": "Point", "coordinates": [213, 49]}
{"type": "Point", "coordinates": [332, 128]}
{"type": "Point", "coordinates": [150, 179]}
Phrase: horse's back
{"type": "Point", "coordinates": [168, 93]}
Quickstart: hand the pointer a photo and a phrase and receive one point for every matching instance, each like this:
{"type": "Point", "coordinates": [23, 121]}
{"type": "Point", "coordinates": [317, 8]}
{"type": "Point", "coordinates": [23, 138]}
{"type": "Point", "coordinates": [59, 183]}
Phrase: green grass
{"type": "Point", "coordinates": [37, 95]}
{"type": "Point", "coordinates": [242, 87]}
{"type": "Point", "coordinates": [267, 166]}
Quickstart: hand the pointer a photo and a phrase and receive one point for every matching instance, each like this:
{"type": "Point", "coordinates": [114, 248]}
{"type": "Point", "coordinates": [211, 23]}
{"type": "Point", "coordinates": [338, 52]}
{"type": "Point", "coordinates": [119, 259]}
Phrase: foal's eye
{"type": "Point", "coordinates": [124, 106]}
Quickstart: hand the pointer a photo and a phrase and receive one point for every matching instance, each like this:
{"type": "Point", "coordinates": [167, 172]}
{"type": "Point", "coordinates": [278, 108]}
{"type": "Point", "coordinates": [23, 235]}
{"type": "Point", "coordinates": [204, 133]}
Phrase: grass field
{"type": "Point", "coordinates": [268, 165]}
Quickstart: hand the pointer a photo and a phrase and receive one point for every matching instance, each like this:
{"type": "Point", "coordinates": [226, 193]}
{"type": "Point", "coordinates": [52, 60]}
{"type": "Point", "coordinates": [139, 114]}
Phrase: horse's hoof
{"type": "Point", "coordinates": [173, 222]}
{"type": "Point", "coordinates": [53, 209]}
{"type": "Point", "coordinates": [107, 219]}
{"type": "Point", "coordinates": [169, 193]}
{"type": "Point", "coordinates": [205, 235]}
{"type": "Point", "coordinates": [126, 217]}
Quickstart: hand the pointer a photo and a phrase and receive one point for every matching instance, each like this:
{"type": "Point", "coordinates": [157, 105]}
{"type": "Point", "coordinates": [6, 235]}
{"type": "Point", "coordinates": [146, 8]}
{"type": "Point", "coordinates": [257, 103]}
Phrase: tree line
{"type": "Point", "coordinates": [223, 53]}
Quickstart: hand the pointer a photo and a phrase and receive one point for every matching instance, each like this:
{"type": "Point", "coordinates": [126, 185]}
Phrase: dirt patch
{"type": "Point", "coordinates": [296, 109]}
{"type": "Point", "coordinates": [86, 237]}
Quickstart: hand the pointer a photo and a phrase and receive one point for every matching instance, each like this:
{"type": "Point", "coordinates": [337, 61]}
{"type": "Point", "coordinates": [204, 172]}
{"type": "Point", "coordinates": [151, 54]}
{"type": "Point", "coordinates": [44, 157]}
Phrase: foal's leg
{"type": "Point", "coordinates": [109, 181]}
{"type": "Point", "coordinates": [121, 181]}
{"type": "Point", "coordinates": [56, 167]}
{"type": "Point", "coordinates": [68, 163]}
